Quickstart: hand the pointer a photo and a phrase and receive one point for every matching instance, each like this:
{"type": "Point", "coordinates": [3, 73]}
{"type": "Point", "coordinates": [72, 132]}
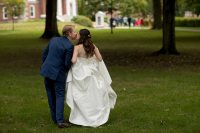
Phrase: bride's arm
{"type": "Point", "coordinates": [75, 54]}
{"type": "Point", "coordinates": [97, 53]}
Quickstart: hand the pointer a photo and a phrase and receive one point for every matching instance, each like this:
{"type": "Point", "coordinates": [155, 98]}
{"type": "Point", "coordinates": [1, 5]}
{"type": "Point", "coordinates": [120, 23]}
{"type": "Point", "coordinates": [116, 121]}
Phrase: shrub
{"type": "Point", "coordinates": [187, 22]}
{"type": "Point", "coordinates": [82, 20]}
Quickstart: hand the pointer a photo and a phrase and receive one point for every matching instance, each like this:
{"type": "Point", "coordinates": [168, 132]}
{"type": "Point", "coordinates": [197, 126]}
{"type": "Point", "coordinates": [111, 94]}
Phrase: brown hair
{"type": "Point", "coordinates": [85, 39]}
{"type": "Point", "coordinates": [67, 29]}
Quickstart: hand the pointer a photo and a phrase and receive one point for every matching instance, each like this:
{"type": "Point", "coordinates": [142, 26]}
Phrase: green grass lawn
{"type": "Point", "coordinates": [156, 94]}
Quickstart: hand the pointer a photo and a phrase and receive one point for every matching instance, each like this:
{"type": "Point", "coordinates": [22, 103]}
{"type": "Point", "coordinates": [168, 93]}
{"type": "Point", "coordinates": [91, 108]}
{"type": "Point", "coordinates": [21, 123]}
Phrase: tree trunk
{"type": "Point", "coordinates": [51, 28]}
{"type": "Point", "coordinates": [13, 23]}
{"type": "Point", "coordinates": [169, 46]}
{"type": "Point", "coordinates": [157, 11]}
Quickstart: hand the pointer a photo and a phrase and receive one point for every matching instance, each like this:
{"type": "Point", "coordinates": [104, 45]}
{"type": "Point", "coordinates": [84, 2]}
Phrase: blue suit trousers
{"type": "Point", "coordinates": [56, 95]}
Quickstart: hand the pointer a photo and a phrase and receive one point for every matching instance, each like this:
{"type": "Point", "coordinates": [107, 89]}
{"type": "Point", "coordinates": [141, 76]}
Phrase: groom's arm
{"type": "Point", "coordinates": [68, 57]}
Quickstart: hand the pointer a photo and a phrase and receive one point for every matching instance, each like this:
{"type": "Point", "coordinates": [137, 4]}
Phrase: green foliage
{"type": "Point", "coordinates": [126, 7]}
{"type": "Point", "coordinates": [80, 7]}
{"type": "Point", "coordinates": [187, 22]}
{"type": "Point", "coordinates": [187, 5]}
{"type": "Point", "coordinates": [181, 7]}
{"type": "Point", "coordinates": [15, 7]}
{"type": "Point", "coordinates": [194, 5]}
{"type": "Point", "coordinates": [83, 20]}
{"type": "Point", "coordinates": [90, 7]}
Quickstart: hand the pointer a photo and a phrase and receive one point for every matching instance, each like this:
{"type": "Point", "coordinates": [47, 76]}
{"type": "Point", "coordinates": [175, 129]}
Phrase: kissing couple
{"type": "Point", "coordinates": [78, 75]}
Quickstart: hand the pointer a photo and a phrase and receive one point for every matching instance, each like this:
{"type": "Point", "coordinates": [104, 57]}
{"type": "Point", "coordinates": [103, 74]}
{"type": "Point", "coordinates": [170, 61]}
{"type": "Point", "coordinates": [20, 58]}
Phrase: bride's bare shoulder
{"type": "Point", "coordinates": [78, 46]}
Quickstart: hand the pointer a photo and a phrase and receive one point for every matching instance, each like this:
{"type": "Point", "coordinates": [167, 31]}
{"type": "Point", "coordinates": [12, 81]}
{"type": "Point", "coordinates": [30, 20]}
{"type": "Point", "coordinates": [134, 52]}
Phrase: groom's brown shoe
{"type": "Point", "coordinates": [67, 121]}
{"type": "Point", "coordinates": [63, 125]}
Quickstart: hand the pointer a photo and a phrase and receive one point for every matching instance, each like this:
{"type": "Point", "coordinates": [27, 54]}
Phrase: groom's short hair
{"type": "Point", "coordinates": [67, 28]}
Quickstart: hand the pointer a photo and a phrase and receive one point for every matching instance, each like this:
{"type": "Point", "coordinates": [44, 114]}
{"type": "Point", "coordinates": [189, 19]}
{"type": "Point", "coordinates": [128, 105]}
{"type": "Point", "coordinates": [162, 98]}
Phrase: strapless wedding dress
{"type": "Point", "coordinates": [89, 93]}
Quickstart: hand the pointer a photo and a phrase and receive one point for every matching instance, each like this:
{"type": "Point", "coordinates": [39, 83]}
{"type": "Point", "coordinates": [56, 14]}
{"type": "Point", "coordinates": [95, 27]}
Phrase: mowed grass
{"type": "Point", "coordinates": [155, 93]}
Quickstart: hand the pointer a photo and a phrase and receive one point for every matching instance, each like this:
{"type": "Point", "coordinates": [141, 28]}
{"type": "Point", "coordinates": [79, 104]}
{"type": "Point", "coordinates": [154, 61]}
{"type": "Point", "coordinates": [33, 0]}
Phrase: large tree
{"type": "Point", "coordinates": [157, 11]}
{"type": "Point", "coordinates": [51, 27]}
{"type": "Point", "coordinates": [169, 46]}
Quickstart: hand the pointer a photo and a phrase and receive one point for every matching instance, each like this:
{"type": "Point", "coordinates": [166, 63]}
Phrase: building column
{"type": "Point", "coordinates": [74, 8]}
{"type": "Point", "coordinates": [59, 7]}
{"type": "Point", "coordinates": [68, 7]}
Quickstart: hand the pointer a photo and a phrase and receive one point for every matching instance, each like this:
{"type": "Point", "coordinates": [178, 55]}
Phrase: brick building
{"type": "Point", "coordinates": [36, 9]}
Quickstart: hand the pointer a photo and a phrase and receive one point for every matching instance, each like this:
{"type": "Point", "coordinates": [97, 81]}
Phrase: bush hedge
{"type": "Point", "coordinates": [187, 22]}
{"type": "Point", "coordinates": [82, 20]}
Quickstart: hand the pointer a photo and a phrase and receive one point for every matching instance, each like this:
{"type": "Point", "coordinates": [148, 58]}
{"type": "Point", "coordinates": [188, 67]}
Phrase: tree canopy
{"type": "Point", "coordinates": [187, 5]}
{"type": "Point", "coordinates": [15, 8]}
{"type": "Point", "coordinates": [126, 7]}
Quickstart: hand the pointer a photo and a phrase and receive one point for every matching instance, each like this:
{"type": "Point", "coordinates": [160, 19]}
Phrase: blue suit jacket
{"type": "Point", "coordinates": [57, 59]}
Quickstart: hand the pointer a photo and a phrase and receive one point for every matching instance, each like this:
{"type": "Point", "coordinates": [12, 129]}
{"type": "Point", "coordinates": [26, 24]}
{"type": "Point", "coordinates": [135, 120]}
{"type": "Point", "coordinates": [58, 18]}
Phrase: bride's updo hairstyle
{"type": "Point", "coordinates": [85, 39]}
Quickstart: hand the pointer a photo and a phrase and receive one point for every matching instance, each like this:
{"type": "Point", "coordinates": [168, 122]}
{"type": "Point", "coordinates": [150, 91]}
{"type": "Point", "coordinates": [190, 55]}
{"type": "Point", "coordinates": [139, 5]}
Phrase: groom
{"type": "Point", "coordinates": [56, 64]}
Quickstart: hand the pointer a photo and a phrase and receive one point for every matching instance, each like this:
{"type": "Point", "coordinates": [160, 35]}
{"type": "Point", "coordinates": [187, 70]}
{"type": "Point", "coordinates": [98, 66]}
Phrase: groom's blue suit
{"type": "Point", "coordinates": [56, 64]}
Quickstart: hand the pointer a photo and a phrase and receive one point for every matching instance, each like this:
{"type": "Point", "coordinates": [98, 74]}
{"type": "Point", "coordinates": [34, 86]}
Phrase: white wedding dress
{"type": "Point", "coordinates": [89, 92]}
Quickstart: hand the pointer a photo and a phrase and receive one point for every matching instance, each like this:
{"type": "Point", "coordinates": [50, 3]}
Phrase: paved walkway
{"type": "Point", "coordinates": [187, 29]}
{"type": "Point", "coordinates": [123, 27]}
{"type": "Point", "coordinates": [147, 28]}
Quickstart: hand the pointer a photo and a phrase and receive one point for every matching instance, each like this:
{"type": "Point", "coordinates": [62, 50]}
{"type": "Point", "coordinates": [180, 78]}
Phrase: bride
{"type": "Point", "coordinates": [89, 92]}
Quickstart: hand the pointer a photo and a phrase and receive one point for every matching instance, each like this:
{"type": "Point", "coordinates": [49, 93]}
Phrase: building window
{"type": "Point", "coordinates": [15, 13]}
{"type": "Point", "coordinates": [32, 11]}
{"type": "Point", "coordinates": [5, 13]}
